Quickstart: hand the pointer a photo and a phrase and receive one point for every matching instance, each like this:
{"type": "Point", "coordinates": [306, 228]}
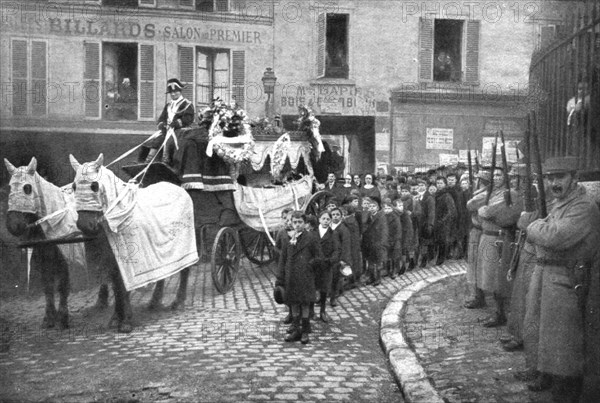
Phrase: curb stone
{"type": "Point", "coordinates": [410, 375]}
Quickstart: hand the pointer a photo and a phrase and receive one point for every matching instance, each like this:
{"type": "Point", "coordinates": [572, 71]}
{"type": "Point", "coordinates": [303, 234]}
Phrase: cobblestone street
{"type": "Point", "coordinates": [463, 359]}
{"type": "Point", "coordinates": [220, 348]}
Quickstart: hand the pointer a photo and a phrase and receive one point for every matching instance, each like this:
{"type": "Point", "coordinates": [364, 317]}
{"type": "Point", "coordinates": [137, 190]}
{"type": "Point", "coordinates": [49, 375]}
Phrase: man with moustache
{"type": "Point", "coordinates": [565, 241]}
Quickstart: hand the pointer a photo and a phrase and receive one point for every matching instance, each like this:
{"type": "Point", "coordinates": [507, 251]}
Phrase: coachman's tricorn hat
{"type": "Point", "coordinates": [560, 165]}
{"type": "Point", "coordinates": [173, 85]}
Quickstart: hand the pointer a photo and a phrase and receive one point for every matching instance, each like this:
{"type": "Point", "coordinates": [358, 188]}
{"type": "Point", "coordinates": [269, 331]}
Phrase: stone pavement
{"type": "Point", "coordinates": [444, 353]}
{"type": "Point", "coordinates": [222, 347]}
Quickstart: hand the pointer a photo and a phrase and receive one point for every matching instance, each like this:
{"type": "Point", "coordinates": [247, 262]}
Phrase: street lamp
{"type": "Point", "coordinates": [269, 81]}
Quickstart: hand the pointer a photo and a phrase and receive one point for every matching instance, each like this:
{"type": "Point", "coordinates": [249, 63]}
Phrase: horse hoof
{"type": "Point", "coordinates": [48, 324]}
{"type": "Point", "coordinates": [177, 306]}
{"type": "Point", "coordinates": [113, 321]}
{"type": "Point", "coordinates": [125, 328]}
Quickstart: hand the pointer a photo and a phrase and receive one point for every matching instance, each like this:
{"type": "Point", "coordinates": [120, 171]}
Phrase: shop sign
{"type": "Point", "coordinates": [486, 150]}
{"type": "Point", "coordinates": [439, 139]}
{"type": "Point", "coordinates": [448, 159]}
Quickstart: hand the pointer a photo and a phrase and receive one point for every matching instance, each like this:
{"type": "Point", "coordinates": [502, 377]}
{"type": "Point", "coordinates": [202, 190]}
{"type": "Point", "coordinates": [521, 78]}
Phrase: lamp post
{"type": "Point", "coordinates": [269, 81]}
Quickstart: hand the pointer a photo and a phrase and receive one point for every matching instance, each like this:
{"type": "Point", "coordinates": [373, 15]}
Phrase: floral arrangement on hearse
{"type": "Point", "coordinates": [229, 134]}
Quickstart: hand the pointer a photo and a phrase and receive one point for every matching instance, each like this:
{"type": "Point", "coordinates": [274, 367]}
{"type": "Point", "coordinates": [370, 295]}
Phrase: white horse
{"type": "Point", "coordinates": [31, 198]}
{"type": "Point", "coordinates": [140, 239]}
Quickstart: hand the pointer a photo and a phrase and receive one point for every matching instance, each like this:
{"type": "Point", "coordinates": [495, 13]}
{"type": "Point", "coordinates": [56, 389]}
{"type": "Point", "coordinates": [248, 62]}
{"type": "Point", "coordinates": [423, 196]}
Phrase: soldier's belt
{"type": "Point", "coordinates": [492, 233]}
{"type": "Point", "coordinates": [556, 262]}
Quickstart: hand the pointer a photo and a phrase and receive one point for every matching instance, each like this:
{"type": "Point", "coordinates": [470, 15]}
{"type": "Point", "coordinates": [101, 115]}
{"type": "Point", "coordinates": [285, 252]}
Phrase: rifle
{"type": "Point", "coordinates": [540, 177]}
{"type": "Point", "coordinates": [521, 236]}
{"type": "Point", "coordinates": [470, 166]}
{"type": "Point", "coordinates": [491, 187]}
{"type": "Point", "coordinates": [507, 197]}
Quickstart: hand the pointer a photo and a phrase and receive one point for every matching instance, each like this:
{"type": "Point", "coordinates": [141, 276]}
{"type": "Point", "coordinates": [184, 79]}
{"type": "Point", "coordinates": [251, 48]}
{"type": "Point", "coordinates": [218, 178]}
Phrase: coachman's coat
{"type": "Point", "coordinates": [569, 236]}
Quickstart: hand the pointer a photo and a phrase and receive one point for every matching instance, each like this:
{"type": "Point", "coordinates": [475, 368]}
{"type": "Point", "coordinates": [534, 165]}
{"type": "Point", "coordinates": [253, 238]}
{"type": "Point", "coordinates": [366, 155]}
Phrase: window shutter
{"type": "Point", "coordinates": [147, 3]}
{"type": "Point", "coordinates": [91, 79]}
{"type": "Point", "coordinates": [426, 49]}
{"type": "Point", "coordinates": [239, 6]}
{"type": "Point", "coordinates": [39, 60]}
{"type": "Point", "coordinates": [186, 71]}
{"type": "Point", "coordinates": [238, 77]}
{"type": "Point", "coordinates": [186, 3]}
{"type": "Point", "coordinates": [146, 94]}
{"type": "Point", "coordinates": [472, 52]}
{"type": "Point", "coordinates": [19, 76]}
{"type": "Point", "coordinates": [321, 44]}
{"type": "Point", "coordinates": [222, 5]}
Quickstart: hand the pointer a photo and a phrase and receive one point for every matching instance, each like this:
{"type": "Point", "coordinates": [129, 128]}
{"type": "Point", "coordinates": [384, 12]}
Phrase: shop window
{"type": "Point", "coordinates": [29, 77]}
{"type": "Point", "coordinates": [332, 57]}
{"type": "Point", "coordinates": [120, 81]}
{"type": "Point", "coordinates": [121, 3]}
{"type": "Point", "coordinates": [212, 5]}
{"type": "Point", "coordinates": [449, 50]}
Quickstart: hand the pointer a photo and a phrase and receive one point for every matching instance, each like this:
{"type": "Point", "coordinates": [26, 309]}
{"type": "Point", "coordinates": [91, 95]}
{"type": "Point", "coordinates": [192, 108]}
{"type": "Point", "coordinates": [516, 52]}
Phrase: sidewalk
{"type": "Point", "coordinates": [440, 351]}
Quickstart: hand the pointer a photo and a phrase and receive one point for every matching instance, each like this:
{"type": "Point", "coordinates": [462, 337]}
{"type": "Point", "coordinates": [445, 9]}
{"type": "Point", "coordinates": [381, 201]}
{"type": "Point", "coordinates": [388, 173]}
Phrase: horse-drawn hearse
{"type": "Point", "coordinates": [216, 196]}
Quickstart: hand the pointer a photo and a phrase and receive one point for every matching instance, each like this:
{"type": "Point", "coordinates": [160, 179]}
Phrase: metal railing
{"type": "Point", "coordinates": [565, 88]}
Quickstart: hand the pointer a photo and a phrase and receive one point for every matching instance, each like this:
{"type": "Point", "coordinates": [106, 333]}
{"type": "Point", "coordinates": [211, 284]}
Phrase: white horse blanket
{"type": "Point", "coordinates": [151, 232]}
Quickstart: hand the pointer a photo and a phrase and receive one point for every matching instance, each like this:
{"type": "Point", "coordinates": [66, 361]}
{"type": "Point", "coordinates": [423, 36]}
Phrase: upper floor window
{"type": "Point", "coordinates": [332, 57]}
{"type": "Point", "coordinates": [449, 50]}
{"type": "Point", "coordinates": [29, 77]}
{"type": "Point", "coordinates": [212, 75]}
{"type": "Point", "coordinates": [212, 5]}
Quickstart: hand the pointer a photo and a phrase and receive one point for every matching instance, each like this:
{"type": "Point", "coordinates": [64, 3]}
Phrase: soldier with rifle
{"type": "Point", "coordinates": [566, 242]}
{"type": "Point", "coordinates": [498, 220]}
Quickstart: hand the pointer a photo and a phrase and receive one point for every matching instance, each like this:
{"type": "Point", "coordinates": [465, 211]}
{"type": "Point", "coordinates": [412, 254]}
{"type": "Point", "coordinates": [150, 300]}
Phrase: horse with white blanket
{"type": "Point", "coordinates": [39, 210]}
{"type": "Point", "coordinates": [147, 232]}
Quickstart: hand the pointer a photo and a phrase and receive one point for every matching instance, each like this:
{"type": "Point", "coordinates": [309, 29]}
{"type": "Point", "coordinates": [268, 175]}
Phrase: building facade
{"type": "Point", "coordinates": [397, 84]}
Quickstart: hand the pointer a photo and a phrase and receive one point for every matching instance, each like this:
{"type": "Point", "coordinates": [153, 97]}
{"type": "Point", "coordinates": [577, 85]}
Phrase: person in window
{"type": "Point", "coordinates": [443, 67]}
{"type": "Point", "coordinates": [177, 114]}
{"type": "Point", "coordinates": [126, 99]}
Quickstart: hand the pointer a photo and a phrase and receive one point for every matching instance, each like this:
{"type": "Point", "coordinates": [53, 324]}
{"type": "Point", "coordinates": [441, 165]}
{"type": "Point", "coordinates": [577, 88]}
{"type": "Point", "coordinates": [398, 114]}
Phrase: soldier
{"type": "Point", "coordinates": [498, 220]}
{"type": "Point", "coordinates": [565, 242]}
{"type": "Point", "coordinates": [476, 298]}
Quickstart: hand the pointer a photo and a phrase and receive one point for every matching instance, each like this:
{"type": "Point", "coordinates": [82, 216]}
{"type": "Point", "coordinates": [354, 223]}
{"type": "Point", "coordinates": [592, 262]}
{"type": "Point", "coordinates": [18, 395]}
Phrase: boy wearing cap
{"type": "Point", "coordinates": [177, 114]}
{"type": "Point", "coordinates": [374, 239]}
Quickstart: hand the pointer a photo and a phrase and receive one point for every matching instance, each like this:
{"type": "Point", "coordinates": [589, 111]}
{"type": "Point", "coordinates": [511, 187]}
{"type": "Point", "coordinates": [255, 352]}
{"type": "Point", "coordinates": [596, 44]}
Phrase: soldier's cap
{"type": "Point", "coordinates": [174, 85]}
{"type": "Point", "coordinates": [559, 165]}
{"type": "Point", "coordinates": [518, 169]}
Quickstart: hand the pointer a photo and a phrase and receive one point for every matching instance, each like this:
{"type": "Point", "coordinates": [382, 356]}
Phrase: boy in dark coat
{"type": "Point", "coordinates": [284, 231]}
{"type": "Point", "coordinates": [345, 243]}
{"type": "Point", "coordinates": [408, 243]}
{"type": "Point", "coordinates": [352, 222]}
{"type": "Point", "coordinates": [374, 239]}
{"type": "Point", "coordinates": [330, 248]}
{"type": "Point", "coordinates": [394, 244]}
{"type": "Point", "coordinates": [445, 219]}
{"type": "Point", "coordinates": [299, 256]}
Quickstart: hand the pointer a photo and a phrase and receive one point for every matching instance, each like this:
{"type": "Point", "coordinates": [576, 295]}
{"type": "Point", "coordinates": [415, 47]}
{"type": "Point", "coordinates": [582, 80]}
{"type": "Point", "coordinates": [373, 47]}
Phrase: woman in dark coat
{"type": "Point", "coordinates": [299, 256]}
{"type": "Point", "coordinates": [352, 221]}
{"type": "Point", "coordinates": [374, 240]}
{"type": "Point", "coordinates": [445, 219]}
{"type": "Point", "coordinates": [330, 248]}
{"type": "Point", "coordinates": [369, 189]}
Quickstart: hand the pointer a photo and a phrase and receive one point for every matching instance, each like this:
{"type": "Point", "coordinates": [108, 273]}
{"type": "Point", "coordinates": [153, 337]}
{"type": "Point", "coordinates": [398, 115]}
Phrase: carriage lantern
{"type": "Point", "coordinates": [269, 81]}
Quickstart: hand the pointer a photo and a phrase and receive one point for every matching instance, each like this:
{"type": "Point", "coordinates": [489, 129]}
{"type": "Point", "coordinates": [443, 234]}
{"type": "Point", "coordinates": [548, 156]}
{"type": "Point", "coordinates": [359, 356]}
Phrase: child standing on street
{"type": "Point", "coordinates": [299, 255]}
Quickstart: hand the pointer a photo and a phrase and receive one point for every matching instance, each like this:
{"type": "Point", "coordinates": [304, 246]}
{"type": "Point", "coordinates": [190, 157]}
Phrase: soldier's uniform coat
{"type": "Point", "coordinates": [473, 205]}
{"type": "Point", "coordinates": [493, 264]}
{"type": "Point", "coordinates": [569, 236]}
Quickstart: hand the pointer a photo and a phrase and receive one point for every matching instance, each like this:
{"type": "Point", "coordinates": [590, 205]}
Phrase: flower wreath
{"type": "Point", "coordinates": [229, 135]}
